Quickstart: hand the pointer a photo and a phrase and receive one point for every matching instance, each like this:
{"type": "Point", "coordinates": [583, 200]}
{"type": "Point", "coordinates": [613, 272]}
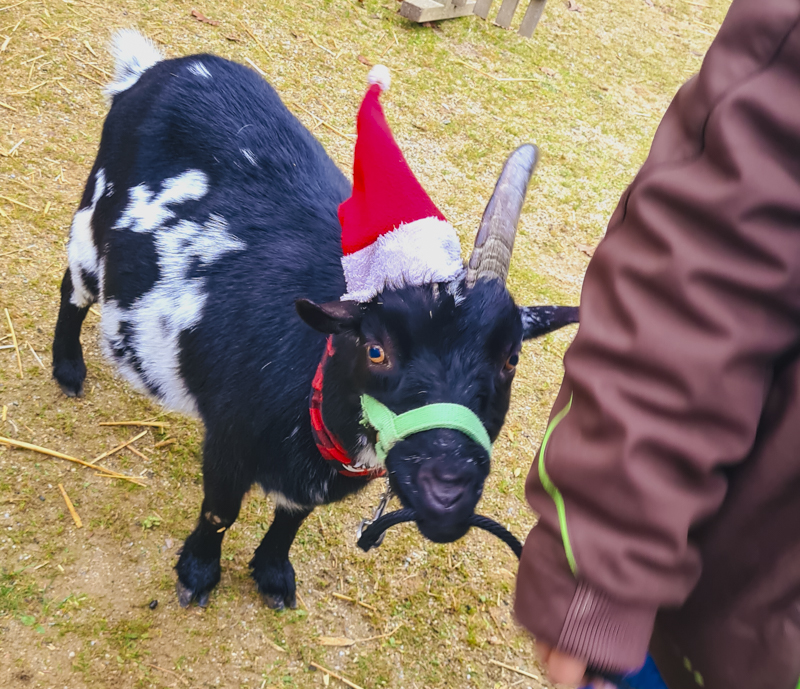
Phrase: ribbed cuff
{"type": "Point", "coordinates": [611, 636]}
{"type": "Point", "coordinates": [569, 614]}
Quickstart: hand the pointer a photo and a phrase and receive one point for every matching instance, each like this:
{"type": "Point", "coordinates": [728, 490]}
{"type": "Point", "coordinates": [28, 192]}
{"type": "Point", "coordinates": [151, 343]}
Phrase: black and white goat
{"type": "Point", "coordinates": [208, 223]}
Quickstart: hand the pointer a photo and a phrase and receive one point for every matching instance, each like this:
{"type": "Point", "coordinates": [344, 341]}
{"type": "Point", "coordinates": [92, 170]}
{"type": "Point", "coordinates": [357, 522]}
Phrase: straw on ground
{"type": "Point", "coordinates": [151, 424]}
{"type": "Point", "coordinates": [514, 669]}
{"type": "Point", "coordinates": [70, 507]}
{"type": "Point", "coordinates": [15, 343]}
{"type": "Point", "coordinates": [333, 674]}
{"type": "Point", "coordinates": [116, 449]}
{"type": "Point", "coordinates": [353, 600]}
{"type": "Point", "coordinates": [108, 473]}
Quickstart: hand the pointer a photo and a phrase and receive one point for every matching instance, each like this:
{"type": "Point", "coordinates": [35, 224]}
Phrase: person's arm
{"type": "Point", "coordinates": [690, 300]}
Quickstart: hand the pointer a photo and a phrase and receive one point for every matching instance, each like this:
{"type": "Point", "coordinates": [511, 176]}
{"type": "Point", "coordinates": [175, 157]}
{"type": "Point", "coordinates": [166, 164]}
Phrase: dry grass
{"type": "Point", "coordinates": [74, 604]}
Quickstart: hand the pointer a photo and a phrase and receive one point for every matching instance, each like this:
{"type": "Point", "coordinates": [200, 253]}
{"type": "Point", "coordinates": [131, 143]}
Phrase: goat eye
{"type": "Point", "coordinates": [376, 354]}
{"type": "Point", "coordinates": [511, 362]}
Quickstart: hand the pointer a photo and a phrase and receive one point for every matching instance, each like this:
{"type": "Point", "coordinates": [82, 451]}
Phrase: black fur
{"type": "Point", "coordinates": [249, 362]}
{"type": "Point", "coordinates": [69, 368]}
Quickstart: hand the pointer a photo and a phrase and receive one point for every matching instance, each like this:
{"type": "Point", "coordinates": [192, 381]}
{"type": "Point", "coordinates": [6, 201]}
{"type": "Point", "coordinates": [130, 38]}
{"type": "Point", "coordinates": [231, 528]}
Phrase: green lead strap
{"type": "Point", "coordinates": [392, 428]}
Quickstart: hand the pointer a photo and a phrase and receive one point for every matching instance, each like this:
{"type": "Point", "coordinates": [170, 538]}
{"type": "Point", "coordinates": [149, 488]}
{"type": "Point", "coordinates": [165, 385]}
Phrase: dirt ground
{"type": "Point", "coordinates": [95, 606]}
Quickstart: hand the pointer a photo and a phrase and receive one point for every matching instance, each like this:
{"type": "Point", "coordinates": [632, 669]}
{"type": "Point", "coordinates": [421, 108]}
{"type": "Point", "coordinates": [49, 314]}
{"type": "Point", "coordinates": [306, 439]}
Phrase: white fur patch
{"type": "Point", "coordinates": [147, 211]}
{"type": "Point", "coordinates": [175, 303]}
{"type": "Point", "coordinates": [247, 153]}
{"type": "Point", "coordinates": [133, 54]}
{"type": "Point", "coordinates": [366, 457]}
{"type": "Point", "coordinates": [200, 70]}
{"type": "Point", "coordinates": [416, 253]}
{"type": "Point", "coordinates": [454, 288]}
{"type": "Point", "coordinates": [282, 502]}
{"type": "Point", "coordinates": [81, 250]}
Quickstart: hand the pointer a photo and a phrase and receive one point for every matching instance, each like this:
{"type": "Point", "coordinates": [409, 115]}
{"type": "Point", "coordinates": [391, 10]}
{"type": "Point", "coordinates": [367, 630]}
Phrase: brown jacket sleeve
{"type": "Point", "coordinates": [690, 300]}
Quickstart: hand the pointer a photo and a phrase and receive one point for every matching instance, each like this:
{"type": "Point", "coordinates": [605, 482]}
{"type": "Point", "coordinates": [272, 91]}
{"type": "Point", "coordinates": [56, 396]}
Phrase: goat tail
{"type": "Point", "coordinates": [133, 54]}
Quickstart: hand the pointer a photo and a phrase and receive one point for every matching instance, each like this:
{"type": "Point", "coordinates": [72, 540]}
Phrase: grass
{"type": "Point", "coordinates": [75, 604]}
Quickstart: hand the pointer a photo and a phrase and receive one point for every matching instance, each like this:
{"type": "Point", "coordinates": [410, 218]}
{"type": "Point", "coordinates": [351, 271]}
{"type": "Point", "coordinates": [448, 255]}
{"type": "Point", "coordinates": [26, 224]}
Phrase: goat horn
{"type": "Point", "coordinates": [494, 242]}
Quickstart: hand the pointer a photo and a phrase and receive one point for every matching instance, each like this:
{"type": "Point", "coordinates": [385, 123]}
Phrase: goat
{"type": "Point", "coordinates": [207, 226]}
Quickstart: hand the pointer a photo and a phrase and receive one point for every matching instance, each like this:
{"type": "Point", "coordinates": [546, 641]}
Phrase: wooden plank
{"type": "Point", "coordinates": [532, 16]}
{"type": "Point", "coordinates": [506, 13]}
{"type": "Point", "coordinates": [431, 11]}
{"type": "Point", "coordinates": [482, 8]}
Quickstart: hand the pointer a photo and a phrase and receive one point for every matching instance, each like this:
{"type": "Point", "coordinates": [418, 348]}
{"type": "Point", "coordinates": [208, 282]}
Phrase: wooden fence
{"type": "Point", "coordinates": [433, 10]}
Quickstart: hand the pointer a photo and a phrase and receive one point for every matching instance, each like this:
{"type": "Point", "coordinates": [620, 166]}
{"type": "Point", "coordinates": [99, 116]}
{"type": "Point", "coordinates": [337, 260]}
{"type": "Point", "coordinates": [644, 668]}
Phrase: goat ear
{"type": "Point", "coordinates": [331, 318]}
{"type": "Point", "coordinates": [540, 320]}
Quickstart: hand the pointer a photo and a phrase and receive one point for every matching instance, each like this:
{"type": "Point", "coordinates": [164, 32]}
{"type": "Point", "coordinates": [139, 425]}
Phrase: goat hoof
{"type": "Point", "coordinates": [197, 576]}
{"type": "Point", "coordinates": [70, 374]}
{"type": "Point", "coordinates": [276, 582]}
{"type": "Point", "coordinates": [71, 392]}
{"type": "Point", "coordinates": [273, 602]}
{"type": "Point", "coordinates": [185, 596]}
{"type": "Point", "coordinates": [279, 602]}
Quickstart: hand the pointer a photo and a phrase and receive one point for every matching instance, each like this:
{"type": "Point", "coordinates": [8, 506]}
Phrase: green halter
{"type": "Point", "coordinates": [392, 428]}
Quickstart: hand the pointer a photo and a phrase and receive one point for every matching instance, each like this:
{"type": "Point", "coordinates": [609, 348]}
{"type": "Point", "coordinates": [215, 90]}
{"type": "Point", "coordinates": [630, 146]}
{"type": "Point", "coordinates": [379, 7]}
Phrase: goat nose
{"type": "Point", "coordinates": [443, 489]}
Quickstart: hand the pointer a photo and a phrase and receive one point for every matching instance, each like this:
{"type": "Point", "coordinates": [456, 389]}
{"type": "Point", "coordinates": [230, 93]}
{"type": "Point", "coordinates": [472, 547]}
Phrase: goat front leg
{"type": "Point", "coordinates": [198, 566]}
{"type": "Point", "coordinates": [272, 570]}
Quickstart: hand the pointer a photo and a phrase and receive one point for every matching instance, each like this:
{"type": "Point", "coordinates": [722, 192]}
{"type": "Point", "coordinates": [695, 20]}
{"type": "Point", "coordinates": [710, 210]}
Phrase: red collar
{"type": "Point", "coordinates": [328, 445]}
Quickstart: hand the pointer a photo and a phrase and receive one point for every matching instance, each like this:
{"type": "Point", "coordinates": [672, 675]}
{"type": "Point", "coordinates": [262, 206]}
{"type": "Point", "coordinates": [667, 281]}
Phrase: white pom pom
{"type": "Point", "coordinates": [379, 75]}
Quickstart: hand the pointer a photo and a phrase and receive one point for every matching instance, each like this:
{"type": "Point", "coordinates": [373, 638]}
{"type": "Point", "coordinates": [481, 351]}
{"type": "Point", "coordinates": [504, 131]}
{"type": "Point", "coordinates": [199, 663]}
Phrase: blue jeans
{"type": "Point", "coordinates": [646, 678]}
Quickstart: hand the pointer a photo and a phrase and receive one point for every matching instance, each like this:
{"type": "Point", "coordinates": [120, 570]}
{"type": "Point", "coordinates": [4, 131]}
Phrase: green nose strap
{"type": "Point", "coordinates": [392, 428]}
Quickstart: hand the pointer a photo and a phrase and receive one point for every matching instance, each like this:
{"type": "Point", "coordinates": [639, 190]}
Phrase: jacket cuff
{"type": "Point", "coordinates": [570, 614]}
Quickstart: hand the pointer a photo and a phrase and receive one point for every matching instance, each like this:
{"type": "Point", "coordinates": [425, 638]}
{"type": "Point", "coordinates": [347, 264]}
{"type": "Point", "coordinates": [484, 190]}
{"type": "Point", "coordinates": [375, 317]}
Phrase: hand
{"type": "Point", "coordinates": [560, 667]}
{"type": "Point", "coordinates": [565, 669]}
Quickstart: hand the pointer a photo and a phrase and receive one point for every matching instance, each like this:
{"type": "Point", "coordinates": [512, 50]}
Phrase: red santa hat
{"type": "Point", "coordinates": [392, 233]}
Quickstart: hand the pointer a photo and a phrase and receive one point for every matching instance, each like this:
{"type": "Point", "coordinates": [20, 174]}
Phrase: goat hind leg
{"type": "Point", "coordinates": [272, 570]}
{"type": "Point", "coordinates": [69, 369]}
